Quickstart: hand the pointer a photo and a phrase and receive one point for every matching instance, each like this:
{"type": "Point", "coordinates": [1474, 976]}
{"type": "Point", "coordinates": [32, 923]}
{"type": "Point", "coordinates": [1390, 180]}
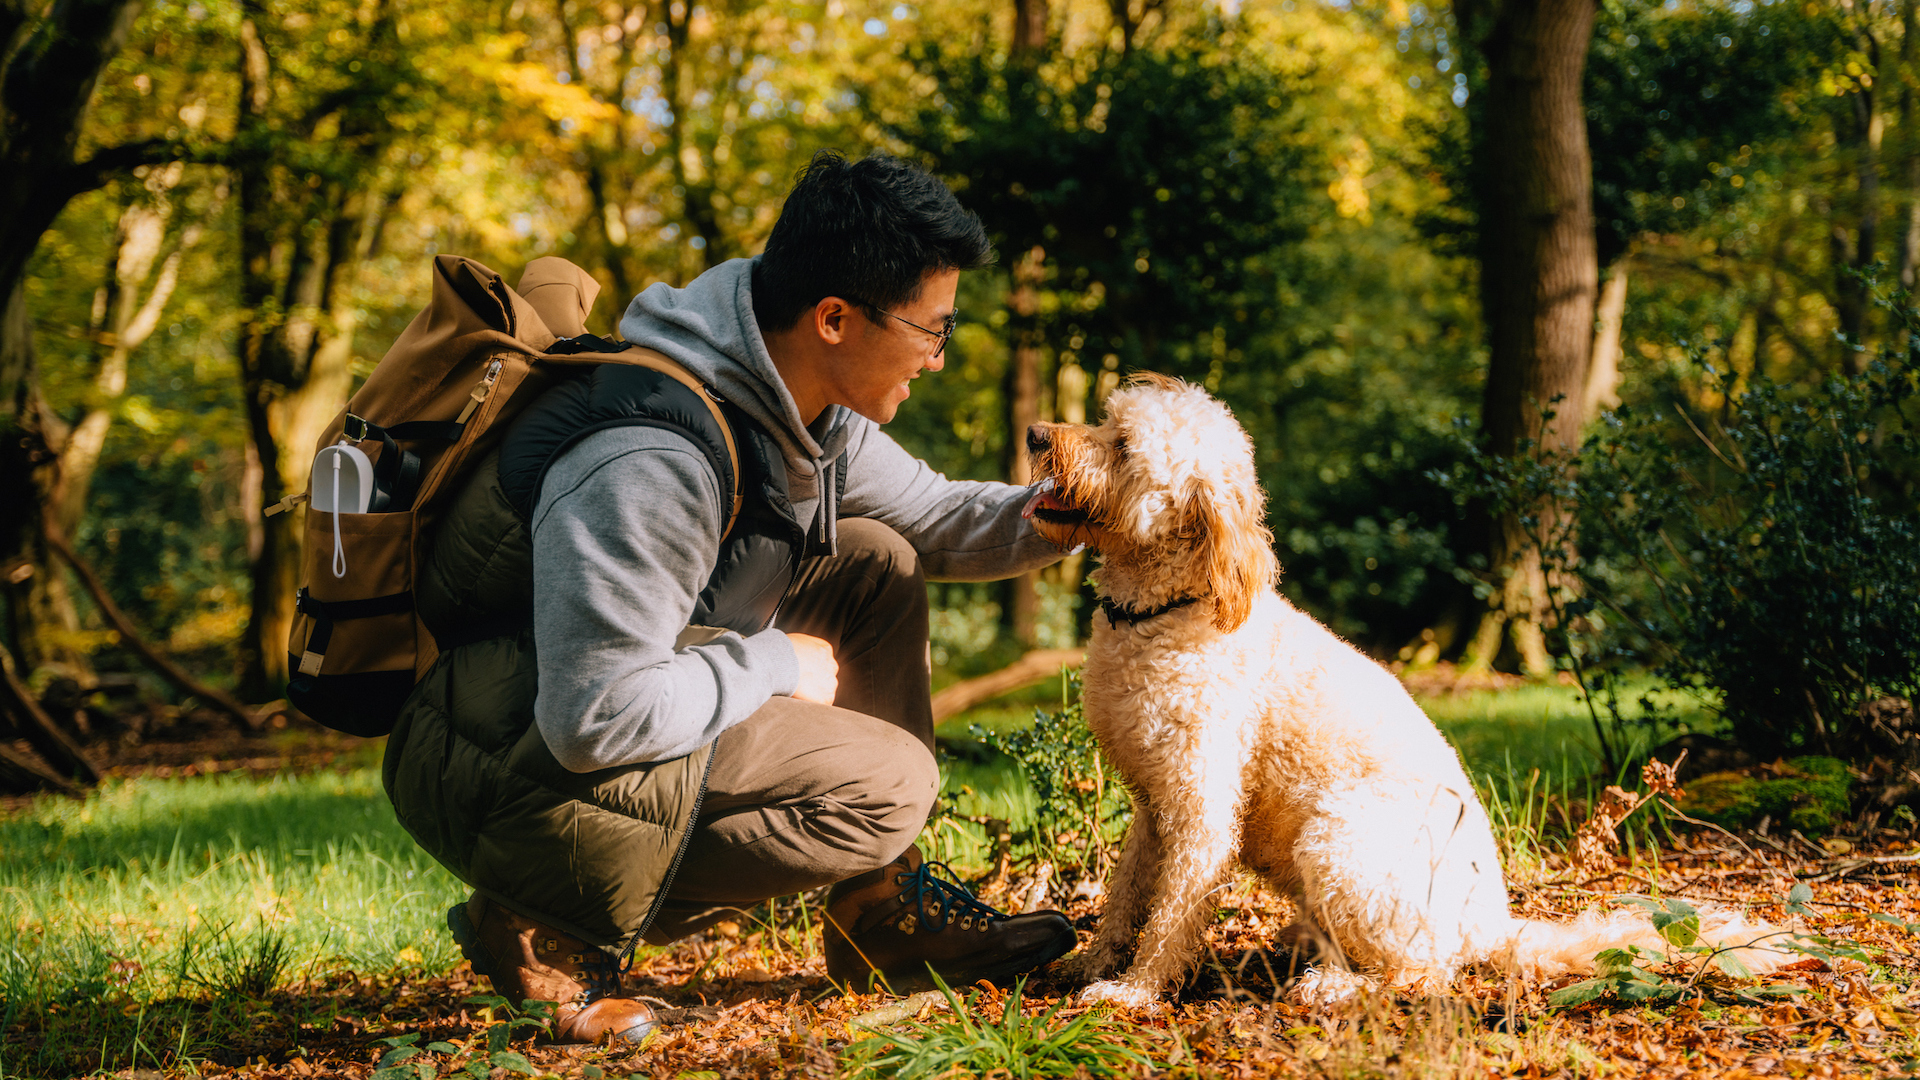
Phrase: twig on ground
{"type": "Point", "coordinates": [1849, 867]}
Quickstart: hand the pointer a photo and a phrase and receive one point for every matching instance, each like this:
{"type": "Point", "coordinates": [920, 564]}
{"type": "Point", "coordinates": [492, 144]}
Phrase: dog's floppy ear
{"type": "Point", "coordinates": [1239, 553]}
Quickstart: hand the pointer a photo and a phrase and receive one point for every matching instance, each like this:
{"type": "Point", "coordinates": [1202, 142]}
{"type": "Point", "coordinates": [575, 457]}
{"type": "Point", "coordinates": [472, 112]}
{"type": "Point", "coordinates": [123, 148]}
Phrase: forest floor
{"type": "Point", "coordinates": [752, 999]}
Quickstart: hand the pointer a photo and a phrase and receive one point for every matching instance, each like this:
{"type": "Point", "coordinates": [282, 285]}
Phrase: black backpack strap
{"type": "Point", "coordinates": [396, 476]}
{"type": "Point", "coordinates": [326, 612]}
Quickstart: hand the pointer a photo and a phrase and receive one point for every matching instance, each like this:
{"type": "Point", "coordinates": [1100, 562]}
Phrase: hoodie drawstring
{"type": "Point", "coordinates": [826, 519]}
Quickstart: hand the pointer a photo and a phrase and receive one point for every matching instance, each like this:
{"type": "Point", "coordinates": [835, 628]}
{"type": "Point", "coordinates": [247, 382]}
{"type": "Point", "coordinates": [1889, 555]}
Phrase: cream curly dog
{"type": "Point", "coordinates": [1250, 734]}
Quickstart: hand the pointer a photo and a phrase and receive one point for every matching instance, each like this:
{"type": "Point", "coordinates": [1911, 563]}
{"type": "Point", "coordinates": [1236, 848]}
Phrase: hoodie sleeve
{"type": "Point", "coordinates": [964, 530]}
{"type": "Point", "coordinates": [625, 534]}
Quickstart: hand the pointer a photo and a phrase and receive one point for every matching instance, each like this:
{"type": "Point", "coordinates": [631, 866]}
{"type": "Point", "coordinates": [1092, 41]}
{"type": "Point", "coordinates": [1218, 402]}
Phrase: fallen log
{"type": "Point", "coordinates": [1029, 669]}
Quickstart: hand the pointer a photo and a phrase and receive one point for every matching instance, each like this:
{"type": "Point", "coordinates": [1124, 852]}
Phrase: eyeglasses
{"type": "Point", "coordinates": [941, 335]}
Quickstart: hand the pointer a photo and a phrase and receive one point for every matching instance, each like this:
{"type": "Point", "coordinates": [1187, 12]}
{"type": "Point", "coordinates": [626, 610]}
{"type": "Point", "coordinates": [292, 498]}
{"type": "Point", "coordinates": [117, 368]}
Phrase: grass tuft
{"type": "Point", "coordinates": [1094, 1043]}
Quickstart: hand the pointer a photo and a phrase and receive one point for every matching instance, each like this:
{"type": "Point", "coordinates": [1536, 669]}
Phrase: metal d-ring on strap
{"type": "Point", "coordinates": [396, 475]}
{"type": "Point", "coordinates": [950, 897]}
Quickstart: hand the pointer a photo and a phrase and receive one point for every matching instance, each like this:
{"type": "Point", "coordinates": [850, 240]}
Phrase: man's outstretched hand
{"type": "Point", "coordinates": [819, 671]}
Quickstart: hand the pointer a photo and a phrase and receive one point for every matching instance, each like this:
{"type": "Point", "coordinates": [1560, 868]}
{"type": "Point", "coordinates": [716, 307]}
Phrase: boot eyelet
{"type": "Point", "coordinates": [966, 922]}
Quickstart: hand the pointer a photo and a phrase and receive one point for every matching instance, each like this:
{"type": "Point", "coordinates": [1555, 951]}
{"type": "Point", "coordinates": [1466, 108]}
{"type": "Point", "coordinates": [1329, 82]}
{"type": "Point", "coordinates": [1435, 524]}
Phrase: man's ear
{"type": "Point", "coordinates": [832, 317]}
{"type": "Point", "coordinates": [1239, 553]}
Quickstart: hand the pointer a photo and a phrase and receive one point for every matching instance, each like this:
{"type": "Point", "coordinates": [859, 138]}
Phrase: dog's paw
{"type": "Point", "coordinates": [1087, 966]}
{"type": "Point", "coordinates": [1120, 992]}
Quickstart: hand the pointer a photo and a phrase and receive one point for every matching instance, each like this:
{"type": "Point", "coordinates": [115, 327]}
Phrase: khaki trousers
{"type": "Point", "coordinates": [803, 795]}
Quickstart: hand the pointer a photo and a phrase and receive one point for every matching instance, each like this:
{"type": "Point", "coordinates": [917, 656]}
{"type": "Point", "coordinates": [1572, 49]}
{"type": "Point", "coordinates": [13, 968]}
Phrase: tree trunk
{"type": "Point", "coordinates": [1858, 130]}
{"type": "Point", "coordinates": [25, 464]}
{"type": "Point", "coordinates": [690, 172]}
{"type": "Point", "coordinates": [1030, 26]}
{"type": "Point", "coordinates": [1538, 270]}
{"type": "Point", "coordinates": [1909, 252]}
{"type": "Point", "coordinates": [1603, 374]}
{"type": "Point", "coordinates": [299, 248]}
{"type": "Point", "coordinates": [142, 270]}
{"type": "Point", "coordinates": [1022, 394]}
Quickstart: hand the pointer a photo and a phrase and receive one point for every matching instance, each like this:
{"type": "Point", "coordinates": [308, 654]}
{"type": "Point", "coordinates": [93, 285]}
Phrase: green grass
{"type": "Point", "coordinates": [1547, 727]}
{"type": "Point", "coordinates": [1531, 751]}
{"type": "Point", "coordinates": [151, 892]}
{"type": "Point", "coordinates": [117, 910]}
{"type": "Point", "coordinates": [1093, 1044]}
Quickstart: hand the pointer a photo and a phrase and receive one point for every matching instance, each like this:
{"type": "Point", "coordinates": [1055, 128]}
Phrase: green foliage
{"type": "Point", "coordinates": [477, 1055]}
{"type": "Point", "coordinates": [1158, 181]}
{"type": "Point", "coordinates": [1627, 975]}
{"type": "Point", "coordinates": [1766, 554]}
{"type": "Point", "coordinates": [1080, 804]}
{"type": "Point", "coordinates": [1677, 100]}
{"type": "Point", "coordinates": [1807, 793]}
{"type": "Point", "coordinates": [1019, 1046]}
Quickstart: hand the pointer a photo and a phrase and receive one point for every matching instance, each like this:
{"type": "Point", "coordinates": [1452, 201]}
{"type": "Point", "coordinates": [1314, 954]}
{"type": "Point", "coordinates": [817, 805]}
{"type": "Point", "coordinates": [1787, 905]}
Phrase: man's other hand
{"type": "Point", "coordinates": [819, 671]}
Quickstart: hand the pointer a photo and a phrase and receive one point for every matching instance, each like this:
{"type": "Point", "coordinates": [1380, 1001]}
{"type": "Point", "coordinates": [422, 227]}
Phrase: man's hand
{"type": "Point", "coordinates": [819, 671]}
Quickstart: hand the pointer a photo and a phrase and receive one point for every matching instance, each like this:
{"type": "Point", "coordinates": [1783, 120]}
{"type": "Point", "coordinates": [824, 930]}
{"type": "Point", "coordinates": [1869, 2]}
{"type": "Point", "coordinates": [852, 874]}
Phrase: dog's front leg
{"type": "Point", "coordinates": [1198, 839]}
{"type": "Point", "coordinates": [1134, 880]}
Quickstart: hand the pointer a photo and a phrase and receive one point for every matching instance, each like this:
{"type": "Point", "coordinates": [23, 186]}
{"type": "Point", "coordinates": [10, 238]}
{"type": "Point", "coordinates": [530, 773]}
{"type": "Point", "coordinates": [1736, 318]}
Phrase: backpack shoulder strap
{"type": "Point", "coordinates": [655, 361]}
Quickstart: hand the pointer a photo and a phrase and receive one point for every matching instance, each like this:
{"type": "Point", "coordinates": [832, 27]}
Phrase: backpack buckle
{"type": "Point", "coordinates": [356, 428]}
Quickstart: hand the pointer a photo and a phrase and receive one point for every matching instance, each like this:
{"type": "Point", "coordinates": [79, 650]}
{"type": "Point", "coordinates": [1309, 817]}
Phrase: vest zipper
{"type": "Point", "coordinates": [673, 868]}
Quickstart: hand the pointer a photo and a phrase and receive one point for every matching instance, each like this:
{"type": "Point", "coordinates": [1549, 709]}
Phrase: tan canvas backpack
{"type": "Point", "coordinates": [432, 409]}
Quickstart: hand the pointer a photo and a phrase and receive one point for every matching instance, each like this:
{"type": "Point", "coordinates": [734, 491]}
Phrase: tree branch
{"type": "Point", "coordinates": [176, 676]}
{"type": "Point", "coordinates": [46, 737]}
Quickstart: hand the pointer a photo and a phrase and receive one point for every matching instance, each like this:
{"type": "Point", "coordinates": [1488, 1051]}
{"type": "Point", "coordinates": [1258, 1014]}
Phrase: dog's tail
{"type": "Point", "coordinates": [1543, 950]}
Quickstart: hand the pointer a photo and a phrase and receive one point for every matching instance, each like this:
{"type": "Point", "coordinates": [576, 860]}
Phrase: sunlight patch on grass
{"type": "Point", "coordinates": [145, 872]}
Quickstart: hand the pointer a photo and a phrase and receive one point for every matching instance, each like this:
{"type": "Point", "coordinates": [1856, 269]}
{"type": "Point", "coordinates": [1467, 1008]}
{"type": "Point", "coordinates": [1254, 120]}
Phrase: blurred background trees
{"type": "Point", "coordinates": [1383, 232]}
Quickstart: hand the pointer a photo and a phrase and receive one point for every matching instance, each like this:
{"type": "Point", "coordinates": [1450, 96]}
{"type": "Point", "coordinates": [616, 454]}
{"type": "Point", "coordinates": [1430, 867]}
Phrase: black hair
{"type": "Point", "coordinates": [867, 231]}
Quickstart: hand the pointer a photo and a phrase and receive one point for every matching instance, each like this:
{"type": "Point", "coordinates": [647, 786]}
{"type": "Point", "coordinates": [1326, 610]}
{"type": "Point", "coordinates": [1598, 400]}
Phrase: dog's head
{"type": "Point", "coordinates": [1165, 488]}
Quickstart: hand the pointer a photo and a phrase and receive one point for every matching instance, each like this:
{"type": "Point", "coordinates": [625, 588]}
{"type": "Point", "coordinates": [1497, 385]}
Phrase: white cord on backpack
{"type": "Point", "coordinates": [339, 547]}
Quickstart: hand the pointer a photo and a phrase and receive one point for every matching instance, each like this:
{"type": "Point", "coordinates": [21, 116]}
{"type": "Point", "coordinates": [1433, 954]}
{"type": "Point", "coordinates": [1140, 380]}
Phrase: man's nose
{"type": "Point", "coordinates": [1038, 438]}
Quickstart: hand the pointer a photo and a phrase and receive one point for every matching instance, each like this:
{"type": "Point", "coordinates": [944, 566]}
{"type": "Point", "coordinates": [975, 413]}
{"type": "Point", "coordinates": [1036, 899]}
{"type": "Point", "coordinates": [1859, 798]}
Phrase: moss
{"type": "Point", "coordinates": [1805, 793]}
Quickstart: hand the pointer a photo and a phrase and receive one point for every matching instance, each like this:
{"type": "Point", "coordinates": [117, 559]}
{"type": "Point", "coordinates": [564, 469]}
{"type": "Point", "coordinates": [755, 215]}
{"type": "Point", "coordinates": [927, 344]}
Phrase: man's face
{"type": "Point", "coordinates": [879, 357]}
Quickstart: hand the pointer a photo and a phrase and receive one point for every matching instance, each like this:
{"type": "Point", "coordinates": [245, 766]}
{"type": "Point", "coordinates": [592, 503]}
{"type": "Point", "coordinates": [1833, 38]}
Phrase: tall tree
{"type": "Point", "coordinates": [51, 57]}
{"type": "Point", "coordinates": [1539, 272]}
{"type": "Point", "coordinates": [318, 120]}
{"type": "Point", "coordinates": [1137, 196]}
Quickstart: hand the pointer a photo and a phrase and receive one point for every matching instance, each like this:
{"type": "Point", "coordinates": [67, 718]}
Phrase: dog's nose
{"type": "Point", "coordinates": [1037, 438]}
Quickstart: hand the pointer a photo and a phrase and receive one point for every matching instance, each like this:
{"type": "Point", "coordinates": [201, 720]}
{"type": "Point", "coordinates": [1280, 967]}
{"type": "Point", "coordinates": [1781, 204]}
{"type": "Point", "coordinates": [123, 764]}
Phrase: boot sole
{"type": "Point", "coordinates": [467, 936]}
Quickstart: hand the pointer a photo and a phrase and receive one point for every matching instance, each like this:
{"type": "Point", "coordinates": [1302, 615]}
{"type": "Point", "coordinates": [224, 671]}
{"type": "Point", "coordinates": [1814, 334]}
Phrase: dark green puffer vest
{"type": "Point", "coordinates": [467, 770]}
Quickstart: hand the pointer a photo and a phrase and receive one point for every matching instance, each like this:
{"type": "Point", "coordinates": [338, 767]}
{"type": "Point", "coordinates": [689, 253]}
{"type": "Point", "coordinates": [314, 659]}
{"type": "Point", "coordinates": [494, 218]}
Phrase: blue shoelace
{"type": "Point", "coordinates": [950, 897]}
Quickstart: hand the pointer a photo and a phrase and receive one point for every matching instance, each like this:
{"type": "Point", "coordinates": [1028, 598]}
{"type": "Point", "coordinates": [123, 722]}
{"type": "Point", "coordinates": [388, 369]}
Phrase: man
{"type": "Point", "coordinates": [685, 759]}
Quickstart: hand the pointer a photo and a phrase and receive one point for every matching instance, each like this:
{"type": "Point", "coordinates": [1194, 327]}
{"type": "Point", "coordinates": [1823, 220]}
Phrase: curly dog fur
{"type": "Point", "coordinates": [1251, 735]}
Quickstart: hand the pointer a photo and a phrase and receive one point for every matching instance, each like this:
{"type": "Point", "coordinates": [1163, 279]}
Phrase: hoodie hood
{"type": "Point", "coordinates": [708, 327]}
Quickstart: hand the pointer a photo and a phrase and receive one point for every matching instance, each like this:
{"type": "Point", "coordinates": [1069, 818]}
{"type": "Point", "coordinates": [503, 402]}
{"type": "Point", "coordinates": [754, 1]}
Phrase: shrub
{"type": "Point", "coordinates": [1768, 555]}
{"type": "Point", "coordinates": [1081, 807]}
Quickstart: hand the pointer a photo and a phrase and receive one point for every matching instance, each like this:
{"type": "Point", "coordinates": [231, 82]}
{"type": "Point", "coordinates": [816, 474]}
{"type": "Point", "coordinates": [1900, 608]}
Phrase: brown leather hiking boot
{"type": "Point", "coordinates": [526, 961]}
{"type": "Point", "coordinates": [897, 922]}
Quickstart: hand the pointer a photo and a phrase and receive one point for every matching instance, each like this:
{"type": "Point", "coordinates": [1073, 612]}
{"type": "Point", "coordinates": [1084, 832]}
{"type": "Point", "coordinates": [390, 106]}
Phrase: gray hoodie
{"type": "Point", "coordinates": [627, 531]}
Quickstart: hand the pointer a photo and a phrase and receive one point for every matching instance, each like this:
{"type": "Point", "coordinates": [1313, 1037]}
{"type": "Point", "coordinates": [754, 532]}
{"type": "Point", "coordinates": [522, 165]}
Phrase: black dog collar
{"type": "Point", "coordinates": [1119, 615]}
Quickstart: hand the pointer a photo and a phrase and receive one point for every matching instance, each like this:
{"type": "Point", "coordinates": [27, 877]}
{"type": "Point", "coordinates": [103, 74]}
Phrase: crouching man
{"type": "Point", "coordinates": [666, 693]}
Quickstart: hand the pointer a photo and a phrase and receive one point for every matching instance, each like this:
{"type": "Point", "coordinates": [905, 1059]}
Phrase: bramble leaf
{"type": "Point", "coordinates": [513, 1062]}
